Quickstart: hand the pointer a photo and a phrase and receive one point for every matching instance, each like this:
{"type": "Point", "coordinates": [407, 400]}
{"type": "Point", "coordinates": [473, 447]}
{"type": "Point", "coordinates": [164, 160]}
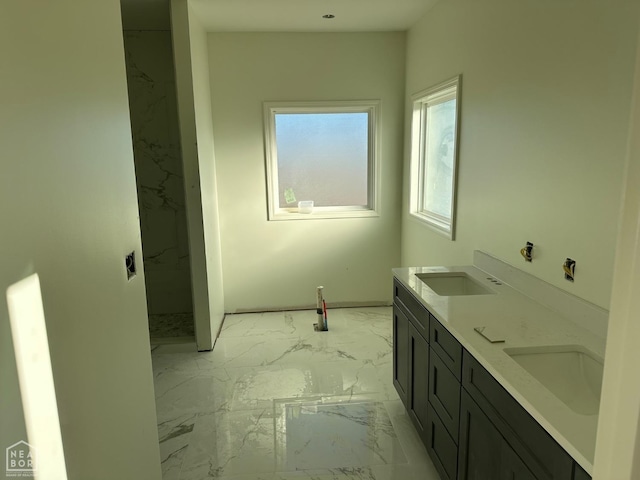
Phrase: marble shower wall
{"type": "Point", "coordinates": [158, 163]}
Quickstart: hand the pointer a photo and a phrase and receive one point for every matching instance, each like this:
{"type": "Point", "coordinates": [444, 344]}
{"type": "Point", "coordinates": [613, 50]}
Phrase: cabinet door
{"type": "Point", "coordinates": [479, 444]}
{"type": "Point", "coordinates": [511, 466]}
{"type": "Point", "coordinates": [418, 381]}
{"type": "Point", "coordinates": [401, 354]}
{"type": "Point", "coordinates": [444, 393]}
{"type": "Point", "coordinates": [441, 447]}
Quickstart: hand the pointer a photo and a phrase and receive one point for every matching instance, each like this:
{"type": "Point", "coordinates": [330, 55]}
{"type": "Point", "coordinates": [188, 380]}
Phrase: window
{"type": "Point", "coordinates": [321, 159]}
{"type": "Point", "coordinates": [434, 148]}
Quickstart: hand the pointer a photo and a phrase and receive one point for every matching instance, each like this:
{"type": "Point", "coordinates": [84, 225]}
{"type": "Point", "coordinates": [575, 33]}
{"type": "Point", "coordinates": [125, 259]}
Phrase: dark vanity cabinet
{"type": "Point", "coordinates": [472, 427]}
{"type": "Point", "coordinates": [580, 474]}
{"type": "Point", "coordinates": [530, 452]}
{"type": "Point", "coordinates": [426, 374]}
{"type": "Point", "coordinates": [418, 391]}
{"type": "Point", "coordinates": [411, 357]}
{"type": "Point", "coordinates": [445, 355]}
{"type": "Point", "coordinates": [401, 353]}
{"type": "Point", "coordinates": [480, 443]}
{"type": "Point", "coordinates": [483, 452]}
{"type": "Point", "coordinates": [511, 466]}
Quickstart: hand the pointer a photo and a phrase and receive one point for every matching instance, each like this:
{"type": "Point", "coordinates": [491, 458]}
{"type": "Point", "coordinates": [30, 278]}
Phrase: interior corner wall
{"type": "Point", "coordinates": [194, 113]}
{"type": "Point", "coordinates": [207, 164]}
{"type": "Point", "coordinates": [617, 447]}
{"type": "Point", "coordinates": [69, 212]}
{"type": "Point", "coordinates": [546, 90]}
{"type": "Point", "coordinates": [279, 264]}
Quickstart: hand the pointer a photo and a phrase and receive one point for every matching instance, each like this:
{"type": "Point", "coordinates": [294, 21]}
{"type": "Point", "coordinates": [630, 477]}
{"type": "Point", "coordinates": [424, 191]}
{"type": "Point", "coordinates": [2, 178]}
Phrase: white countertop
{"type": "Point", "coordinates": [523, 322]}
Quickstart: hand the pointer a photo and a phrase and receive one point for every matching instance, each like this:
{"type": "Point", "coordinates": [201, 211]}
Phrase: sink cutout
{"type": "Point", "coordinates": [448, 284]}
{"type": "Point", "coordinates": [571, 372]}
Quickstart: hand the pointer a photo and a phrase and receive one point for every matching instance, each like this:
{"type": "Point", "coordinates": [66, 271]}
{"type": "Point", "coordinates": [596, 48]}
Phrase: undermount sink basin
{"type": "Point", "coordinates": [447, 284]}
{"type": "Point", "coordinates": [571, 372]}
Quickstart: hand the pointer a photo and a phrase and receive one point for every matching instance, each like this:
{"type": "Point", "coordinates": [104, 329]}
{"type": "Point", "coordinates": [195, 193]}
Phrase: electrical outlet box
{"type": "Point", "coordinates": [130, 265]}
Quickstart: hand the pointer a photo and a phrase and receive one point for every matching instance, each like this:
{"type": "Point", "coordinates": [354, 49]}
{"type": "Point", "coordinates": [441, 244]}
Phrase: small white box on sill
{"type": "Point", "coordinates": [305, 206]}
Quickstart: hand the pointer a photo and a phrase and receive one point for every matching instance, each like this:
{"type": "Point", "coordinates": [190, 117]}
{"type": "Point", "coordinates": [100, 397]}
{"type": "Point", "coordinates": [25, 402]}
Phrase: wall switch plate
{"type": "Point", "coordinates": [130, 265]}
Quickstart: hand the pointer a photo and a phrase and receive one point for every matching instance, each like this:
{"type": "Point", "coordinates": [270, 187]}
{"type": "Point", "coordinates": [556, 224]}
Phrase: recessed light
{"type": "Point", "coordinates": [328, 15]}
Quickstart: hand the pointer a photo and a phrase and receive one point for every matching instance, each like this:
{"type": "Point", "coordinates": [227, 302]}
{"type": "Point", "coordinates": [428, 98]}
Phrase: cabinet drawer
{"type": "Point", "coordinates": [540, 452]}
{"type": "Point", "coordinates": [480, 443]}
{"type": "Point", "coordinates": [441, 447]}
{"type": "Point", "coordinates": [444, 394]}
{"type": "Point", "coordinates": [416, 312]}
{"type": "Point", "coordinates": [446, 346]}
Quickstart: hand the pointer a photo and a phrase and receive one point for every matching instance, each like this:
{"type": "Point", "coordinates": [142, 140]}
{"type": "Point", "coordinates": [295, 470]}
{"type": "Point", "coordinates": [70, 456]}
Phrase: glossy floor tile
{"type": "Point", "coordinates": [165, 326]}
{"type": "Point", "coordinates": [276, 400]}
{"type": "Point", "coordinates": [334, 433]}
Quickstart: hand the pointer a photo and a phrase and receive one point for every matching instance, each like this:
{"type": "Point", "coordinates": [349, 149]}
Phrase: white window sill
{"type": "Point", "coordinates": [437, 226]}
{"type": "Point", "coordinates": [319, 214]}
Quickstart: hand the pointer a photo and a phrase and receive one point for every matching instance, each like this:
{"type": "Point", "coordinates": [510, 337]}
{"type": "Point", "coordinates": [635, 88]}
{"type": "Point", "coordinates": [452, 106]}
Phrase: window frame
{"type": "Point", "coordinates": [421, 101]}
{"type": "Point", "coordinates": [372, 108]}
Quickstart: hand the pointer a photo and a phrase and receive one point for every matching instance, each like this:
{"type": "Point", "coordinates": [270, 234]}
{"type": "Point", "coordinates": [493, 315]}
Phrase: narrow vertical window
{"type": "Point", "coordinates": [434, 143]}
{"type": "Point", "coordinates": [321, 159]}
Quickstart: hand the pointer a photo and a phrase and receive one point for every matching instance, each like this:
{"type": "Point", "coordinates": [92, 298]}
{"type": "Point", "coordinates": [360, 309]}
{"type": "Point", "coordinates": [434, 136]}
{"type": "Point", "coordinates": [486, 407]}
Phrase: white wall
{"type": "Point", "coordinates": [279, 264]}
{"type": "Point", "coordinates": [545, 107]}
{"type": "Point", "coordinates": [69, 212]}
{"type": "Point", "coordinates": [617, 453]}
{"type": "Point", "coordinates": [194, 113]}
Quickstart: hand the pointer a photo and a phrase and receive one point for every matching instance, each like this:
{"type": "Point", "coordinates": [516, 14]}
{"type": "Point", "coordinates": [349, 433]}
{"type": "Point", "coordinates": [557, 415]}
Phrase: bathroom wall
{"type": "Point", "coordinates": [279, 264]}
{"type": "Point", "coordinates": [617, 453]}
{"type": "Point", "coordinates": [546, 91]}
{"type": "Point", "coordinates": [194, 108]}
{"type": "Point", "coordinates": [159, 177]}
{"type": "Point", "coordinates": [69, 212]}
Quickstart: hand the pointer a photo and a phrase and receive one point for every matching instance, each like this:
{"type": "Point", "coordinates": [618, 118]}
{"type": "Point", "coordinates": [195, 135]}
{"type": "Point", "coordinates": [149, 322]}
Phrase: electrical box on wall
{"type": "Point", "coordinates": [569, 268]}
{"type": "Point", "coordinates": [130, 265]}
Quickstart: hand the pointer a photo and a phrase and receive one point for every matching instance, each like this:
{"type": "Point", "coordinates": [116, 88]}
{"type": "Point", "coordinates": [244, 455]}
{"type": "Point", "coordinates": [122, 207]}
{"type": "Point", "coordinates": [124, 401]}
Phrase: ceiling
{"type": "Point", "coordinates": [282, 15]}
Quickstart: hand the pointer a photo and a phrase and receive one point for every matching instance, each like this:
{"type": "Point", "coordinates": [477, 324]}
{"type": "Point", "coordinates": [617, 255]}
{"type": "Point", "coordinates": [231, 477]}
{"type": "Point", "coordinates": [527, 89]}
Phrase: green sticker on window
{"type": "Point", "coordinates": [289, 196]}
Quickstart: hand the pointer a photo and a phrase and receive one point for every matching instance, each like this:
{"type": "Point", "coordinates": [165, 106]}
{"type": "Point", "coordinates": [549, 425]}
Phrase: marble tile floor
{"type": "Point", "coordinates": [171, 328]}
{"type": "Point", "coordinates": [275, 400]}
